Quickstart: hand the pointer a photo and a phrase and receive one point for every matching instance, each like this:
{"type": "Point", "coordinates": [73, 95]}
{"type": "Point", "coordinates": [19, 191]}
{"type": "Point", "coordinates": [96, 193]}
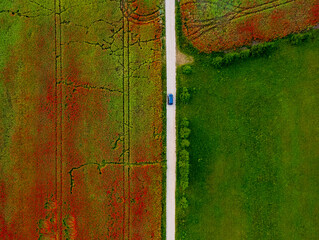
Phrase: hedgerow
{"type": "Point", "coordinates": [183, 156]}
{"type": "Point", "coordinates": [299, 38]}
{"type": "Point", "coordinates": [258, 50]}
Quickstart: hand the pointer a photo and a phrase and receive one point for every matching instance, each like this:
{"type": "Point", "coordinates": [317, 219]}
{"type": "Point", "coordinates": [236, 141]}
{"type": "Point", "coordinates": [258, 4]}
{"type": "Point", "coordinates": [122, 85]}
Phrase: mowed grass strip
{"type": "Point", "coordinates": [254, 147]}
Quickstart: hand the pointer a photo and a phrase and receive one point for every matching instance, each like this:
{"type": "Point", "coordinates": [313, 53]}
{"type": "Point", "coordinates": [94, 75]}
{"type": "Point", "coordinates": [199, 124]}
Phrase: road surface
{"type": "Point", "coordinates": [171, 118]}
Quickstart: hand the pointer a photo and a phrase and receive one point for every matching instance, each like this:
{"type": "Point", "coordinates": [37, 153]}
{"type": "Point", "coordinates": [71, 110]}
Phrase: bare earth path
{"type": "Point", "coordinates": [171, 118]}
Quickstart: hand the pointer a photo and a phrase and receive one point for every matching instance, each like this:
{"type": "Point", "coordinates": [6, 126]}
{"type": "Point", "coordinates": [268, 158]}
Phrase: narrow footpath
{"type": "Point", "coordinates": [171, 118]}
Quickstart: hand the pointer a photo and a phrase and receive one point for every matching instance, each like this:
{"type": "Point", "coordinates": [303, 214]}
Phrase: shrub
{"type": "Point", "coordinates": [184, 203]}
{"type": "Point", "coordinates": [184, 122]}
{"type": "Point", "coordinates": [184, 132]}
{"type": "Point", "coordinates": [184, 95]}
{"type": "Point", "coordinates": [184, 155]}
{"type": "Point", "coordinates": [230, 58]}
{"type": "Point", "coordinates": [185, 143]}
{"type": "Point", "coordinates": [257, 50]}
{"type": "Point", "coordinates": [297, 39]}
{"type": "Point", "coordinates": [262, 49]}
{"type": "Point", "coordinates": [187, 69]}
{"type": "Point", "coordinates": [244, 54]}
{"type": "Point", "coordinates": [184, 172]}
{"type": "Point", "coordinates": [218, 62]}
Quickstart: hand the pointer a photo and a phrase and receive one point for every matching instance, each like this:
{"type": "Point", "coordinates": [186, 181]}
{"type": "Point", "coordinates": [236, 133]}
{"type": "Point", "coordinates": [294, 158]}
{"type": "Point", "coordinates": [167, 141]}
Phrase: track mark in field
{"type": "Point", "coordinates": [226, 25]}
{"type": "Point", "coordinates": [205, 25]}
{"type": "Point", "coordinates": [103, 164]}
{"type": "Point", "coordinates": [124, 39]}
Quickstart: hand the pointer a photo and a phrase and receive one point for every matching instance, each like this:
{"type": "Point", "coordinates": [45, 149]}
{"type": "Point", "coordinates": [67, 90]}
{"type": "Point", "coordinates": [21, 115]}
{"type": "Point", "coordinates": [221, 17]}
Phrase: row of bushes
{"type": "Point", "coordinates": [296, 39]}
{"type": "Point", "coordinates": [183, 155]}
{"type": "Point", "coordinates": [254, 51]}
{"type": "Point", "coordinates": [183, 170]}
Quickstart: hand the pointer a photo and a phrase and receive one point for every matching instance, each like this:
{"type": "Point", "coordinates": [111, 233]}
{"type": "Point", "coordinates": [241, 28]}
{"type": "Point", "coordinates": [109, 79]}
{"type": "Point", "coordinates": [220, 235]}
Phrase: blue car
{"type": "Point", "coordinates": [170, 99]}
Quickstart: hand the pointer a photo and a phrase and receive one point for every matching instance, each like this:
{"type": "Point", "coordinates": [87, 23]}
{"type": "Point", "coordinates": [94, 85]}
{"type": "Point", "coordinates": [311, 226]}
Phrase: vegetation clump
{"type": "Point", "coordinates": [183, 163]}
{"type": "Point", "coordinates": [299, 38]}
{"type": "Point", "coordinates": [184, 95]}
{"type": "Point", "coordinates": [257, 50]}
{"type": "Point", "coordinates": [187, 69]}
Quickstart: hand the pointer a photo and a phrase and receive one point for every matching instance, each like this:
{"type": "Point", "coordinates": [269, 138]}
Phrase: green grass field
{"type": "Point", "coordinates": [254, 147]}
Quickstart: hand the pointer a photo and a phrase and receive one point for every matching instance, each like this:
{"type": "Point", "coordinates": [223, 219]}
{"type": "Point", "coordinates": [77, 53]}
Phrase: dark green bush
{"type": "Point", "coordinates": [262, 49]}
{"type": "Point", "coordinates": [184, 203]}
{"type": "Point", "coordinates": [184, 122]}
{"type": "Point", "coordinates": [231, 57]}
{"type": "Point", "coordinates": [218, 62]}
{"type": "Point", "coordinates": [299, 38]}
{"type": "Point", "coordinates": [183, 156]}
{"type": "Point", "coordinates": [184, 172]}
{"type": "Point", "coordinates": [187, 69]}
{"type": "Point", "coordinates": [184, 95]}
{"type": "Point", "coordinates": [185, 143]}
{"type": "Point", "coordinates": [244, 54]}
{"type": "Point", "coordinates": [184, 132]}
{"type": "Point", "coordinates": [257, 50]}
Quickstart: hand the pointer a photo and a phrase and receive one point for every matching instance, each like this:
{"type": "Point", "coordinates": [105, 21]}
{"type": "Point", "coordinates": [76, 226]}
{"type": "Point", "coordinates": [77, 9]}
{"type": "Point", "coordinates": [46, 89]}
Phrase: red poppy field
{"type": "Point", "coordinates": [221, 25]}
{"type": "Point", "coordinates": [81, 131]}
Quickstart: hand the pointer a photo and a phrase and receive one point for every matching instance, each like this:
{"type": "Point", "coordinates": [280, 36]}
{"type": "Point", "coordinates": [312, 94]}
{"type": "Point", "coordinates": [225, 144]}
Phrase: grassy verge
{"type": "Point", "coordinates": [253, 146]}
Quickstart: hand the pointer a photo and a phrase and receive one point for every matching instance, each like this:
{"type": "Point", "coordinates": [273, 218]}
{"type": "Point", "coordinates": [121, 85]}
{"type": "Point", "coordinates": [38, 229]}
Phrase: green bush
{"type": "Point", "coordinates": [230, 58]}
{"type": "Point", "coordinates": [184, 95]}
{"type": "Point", "coordinates": [184, 172]}
{"type": "Point", "coordinates": [187, 69]}
{"type": "Point", "coordinates": [184, 203]}
{"type": "Point", "coordinates": [184, 132]}
{"type": "Point", "coordinates": [184, 122]}
{"type": "Point", "coordinates": [244, 54]}
{"type": "Point", "coordinates": [262, 49]}
{"type": "Point", "coordinates": [184, 155]}
{"type": "Point", "coordinates": [218, 62]}
{"type": "Point", "coordinates": [299, 38]}
{"type": "Point", "coordinates": [257, 50]}
{"type": "Point", "coordinates": [185, 143]}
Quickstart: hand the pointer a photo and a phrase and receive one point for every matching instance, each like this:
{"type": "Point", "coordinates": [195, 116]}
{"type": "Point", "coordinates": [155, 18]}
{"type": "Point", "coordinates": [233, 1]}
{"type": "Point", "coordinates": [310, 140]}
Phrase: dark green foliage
{"type": "Point", "coordinates": [255, 51]}
{"type": "Point", "coordinates": [262, 49]}
{"type": "Point", "coordinates": [183, 168]}
{"type": "Point", "coordinates": [230, 58]}
{"type": "Point", "coordinates": [218, 62]}
{"type": "Point", "coordinates": [184, 155]}
{"type": "Point", "coordinates": [244, 54]}
{"type": "Point", "coordinates": [185, 143]}
{"type": "Point", "coordinates": [184, 122]}
{"type": "Point", "coordinates": [184, 203]}
{"type": "Point", "coordinates": [184, 132]}
{"type": "Point", "coordinates": [184, 95]}
{"type": "Point", "coordinates": [299, 38]}
{"type": "Point", "coordinates": [187, 69]}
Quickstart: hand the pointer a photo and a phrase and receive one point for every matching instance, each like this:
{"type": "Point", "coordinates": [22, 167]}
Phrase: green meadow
{"type": "Point", "coordinates": [254, 146]}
